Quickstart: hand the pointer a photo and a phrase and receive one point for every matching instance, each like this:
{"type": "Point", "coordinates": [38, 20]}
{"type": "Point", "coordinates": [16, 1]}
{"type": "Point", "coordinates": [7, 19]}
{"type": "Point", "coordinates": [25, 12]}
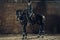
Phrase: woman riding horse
{"type": "Point", "coordinates": [33, 19]}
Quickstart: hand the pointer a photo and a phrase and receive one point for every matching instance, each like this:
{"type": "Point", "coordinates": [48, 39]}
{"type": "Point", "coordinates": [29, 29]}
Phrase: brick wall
{"type": "Point", "coordinates": [9, 23]}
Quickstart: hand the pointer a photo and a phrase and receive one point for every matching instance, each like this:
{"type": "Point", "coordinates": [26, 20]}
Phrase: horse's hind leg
{"type": "Point", "coordinates": [40, 31]}
{"type": "Point", "coordinates": [43, 29]}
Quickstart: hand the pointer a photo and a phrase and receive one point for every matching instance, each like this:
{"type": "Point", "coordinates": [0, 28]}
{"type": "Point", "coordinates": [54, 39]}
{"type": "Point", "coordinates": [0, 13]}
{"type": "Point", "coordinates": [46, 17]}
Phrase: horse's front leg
{"type": "Point", "coordinates": [24, 31]}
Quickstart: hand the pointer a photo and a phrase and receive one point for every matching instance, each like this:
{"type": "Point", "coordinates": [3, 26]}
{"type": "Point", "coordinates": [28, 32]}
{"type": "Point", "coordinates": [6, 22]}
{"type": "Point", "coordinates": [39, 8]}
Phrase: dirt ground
{"type": "Point", "coordinates": [29, 37]}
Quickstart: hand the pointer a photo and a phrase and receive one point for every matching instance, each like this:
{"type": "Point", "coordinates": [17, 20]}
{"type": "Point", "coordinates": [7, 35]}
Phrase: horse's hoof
{"type": "Point", "coordinates": [42, 36]}
{"type": "Point", "coordinates": [38, 37]}
{"type": "Point", "coordinates": [25, 37]}
{"type": "Point", "coordinates": [22, 38]}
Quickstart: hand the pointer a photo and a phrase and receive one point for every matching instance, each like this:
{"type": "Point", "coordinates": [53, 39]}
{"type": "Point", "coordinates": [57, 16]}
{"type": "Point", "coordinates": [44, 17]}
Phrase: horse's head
{"type": "Point", "coordinates": [19, 14]}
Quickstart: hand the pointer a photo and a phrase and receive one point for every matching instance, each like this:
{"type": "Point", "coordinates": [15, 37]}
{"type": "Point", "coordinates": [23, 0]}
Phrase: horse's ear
{"type": "Point", "coordinates": [17, 12]}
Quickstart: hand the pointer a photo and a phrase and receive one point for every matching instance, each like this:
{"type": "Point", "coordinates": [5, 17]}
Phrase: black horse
{"type": "Point", "coordinates": [24, 18]}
